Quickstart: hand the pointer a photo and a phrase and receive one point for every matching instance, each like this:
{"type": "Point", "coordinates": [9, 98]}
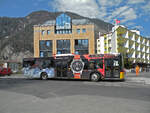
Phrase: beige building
{"type": "Point", "coordinates": [64, 35]}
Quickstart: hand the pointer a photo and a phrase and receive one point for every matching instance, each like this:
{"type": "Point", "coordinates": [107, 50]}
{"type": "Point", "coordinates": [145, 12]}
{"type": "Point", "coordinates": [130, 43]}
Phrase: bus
{"type": "Point", "coordinates": [69, 66]}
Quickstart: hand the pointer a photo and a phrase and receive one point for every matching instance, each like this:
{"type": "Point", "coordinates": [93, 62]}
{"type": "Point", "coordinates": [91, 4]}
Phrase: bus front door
{"type": "Point", "coordinates": [111, 68]}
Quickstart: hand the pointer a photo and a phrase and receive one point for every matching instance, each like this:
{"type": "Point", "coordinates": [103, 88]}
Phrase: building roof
{"type": "Point", "coordinates": [49, 22]}
{"type": "Point", "coordinates": [81, 21]}
{"type": "Point", "coordinates": [74, 22]}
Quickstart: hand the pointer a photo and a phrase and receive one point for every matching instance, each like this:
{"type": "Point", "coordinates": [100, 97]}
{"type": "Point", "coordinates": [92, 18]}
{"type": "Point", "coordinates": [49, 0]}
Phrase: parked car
{"type": "Point", "coordinates": [5, 71]}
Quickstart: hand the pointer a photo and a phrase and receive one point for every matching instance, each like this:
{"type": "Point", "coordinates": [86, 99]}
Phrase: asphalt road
{"type": "Point", "coordinates": [20, 95]}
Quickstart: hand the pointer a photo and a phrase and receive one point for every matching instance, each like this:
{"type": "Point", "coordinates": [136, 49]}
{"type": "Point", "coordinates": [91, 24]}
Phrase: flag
{"type": "Point", "coordinates": [117, 21]}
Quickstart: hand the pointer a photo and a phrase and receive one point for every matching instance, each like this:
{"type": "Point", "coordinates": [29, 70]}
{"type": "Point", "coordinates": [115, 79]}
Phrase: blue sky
{"type": "Point", "coordinates": [134, 14]}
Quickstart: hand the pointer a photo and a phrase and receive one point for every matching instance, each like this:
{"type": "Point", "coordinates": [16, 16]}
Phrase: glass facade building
{"type": "Point", "coordinates": [45, 48]}
{"type": "Point", "coordinates": [63, 46]}
{"type": "Point", "coordinates": [81, 46]}
{"type": "Point", "coordinates": [63, 24]}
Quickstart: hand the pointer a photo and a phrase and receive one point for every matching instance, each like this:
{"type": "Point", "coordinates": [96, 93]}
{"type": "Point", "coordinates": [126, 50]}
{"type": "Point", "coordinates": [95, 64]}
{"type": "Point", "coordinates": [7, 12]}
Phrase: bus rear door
{"type": "Point", "coordinates": [112, 68]}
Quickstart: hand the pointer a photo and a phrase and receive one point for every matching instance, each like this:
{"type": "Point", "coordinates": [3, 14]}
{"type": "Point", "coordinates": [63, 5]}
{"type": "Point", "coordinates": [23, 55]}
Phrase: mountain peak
{"type": "Point", "coordinates": [20, 30]}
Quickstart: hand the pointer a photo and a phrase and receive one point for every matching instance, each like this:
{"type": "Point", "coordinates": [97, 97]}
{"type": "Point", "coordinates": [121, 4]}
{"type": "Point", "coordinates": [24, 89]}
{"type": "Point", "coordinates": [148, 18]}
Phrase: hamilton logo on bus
{"type": "Point", "coordinates": [77, 66]}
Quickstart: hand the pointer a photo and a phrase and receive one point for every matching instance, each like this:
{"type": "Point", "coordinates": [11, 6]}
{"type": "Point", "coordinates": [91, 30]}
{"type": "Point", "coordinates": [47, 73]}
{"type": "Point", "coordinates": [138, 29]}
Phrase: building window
{"type": "Point", "coordinates": [78, 31]}
{"type": "Point", "coordinates": [41, 54]}
{"type": "Point", "coordinates": [63, 24]}
{"type": "Point", "coordinates": [81, 46]}
{"type": "Point", "coordinates": [43, 32]}
{"type": "Point", "coordinates": [45, 48]}
{"type": "Point", "coordinates": [130, 37]}
{"type": "Point", "coordinates": [136, 56]}
{"type": "Point", "coordinates": [48, 32]}
{"type": "Point", "coordinates": [65, 31]}
{"type": "Point", "coordinates": [60, 31]}
{"type": "Point", "coordinates": [109, 49]}
{"type": "Point", "coordinates": [123, 35]}
{"type": "Point", "coordinates": [109, 41]}
{"type": "Point", "coordinates": [84, 30]}
{"type": "Point", "coordinates": [63, 46]}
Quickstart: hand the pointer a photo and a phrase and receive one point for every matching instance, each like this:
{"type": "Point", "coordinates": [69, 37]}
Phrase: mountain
{"type": "Point", "coordinates": [16, 34]}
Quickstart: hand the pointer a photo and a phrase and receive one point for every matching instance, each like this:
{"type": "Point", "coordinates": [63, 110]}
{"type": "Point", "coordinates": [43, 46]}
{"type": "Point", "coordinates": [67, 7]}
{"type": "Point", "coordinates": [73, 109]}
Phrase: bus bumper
{"type": "Point", "coordinates": [120, 77]}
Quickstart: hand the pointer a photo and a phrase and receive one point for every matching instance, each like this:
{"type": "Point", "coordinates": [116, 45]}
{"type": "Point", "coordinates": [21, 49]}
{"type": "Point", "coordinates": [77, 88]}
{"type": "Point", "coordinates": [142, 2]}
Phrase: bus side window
{"type": "Point", "coordinates": [91, 65]}
{"type": "Point", "coordinates": [32, 63]}
{"type": "Point", "coordinates": [46, 64]}
{"type": "Point", "coordinates": [115, 63]}
{"type": "Point", "coordinates": [86, 63]}
{"type": "Point", "coordinates": [106, 64]}
{"type": "Point", "coordinates": [96, 64]}
{"type": "Point", "coordinates": [101, 64]}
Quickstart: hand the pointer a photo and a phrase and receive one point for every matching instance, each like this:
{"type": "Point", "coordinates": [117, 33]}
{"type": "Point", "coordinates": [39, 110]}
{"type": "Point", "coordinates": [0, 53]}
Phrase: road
{"type": "Point", "coordinates": [21, 95]}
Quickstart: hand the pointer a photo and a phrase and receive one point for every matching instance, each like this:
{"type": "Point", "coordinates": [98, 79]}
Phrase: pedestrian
{"type": "Point", "coordinates": [137, 68]}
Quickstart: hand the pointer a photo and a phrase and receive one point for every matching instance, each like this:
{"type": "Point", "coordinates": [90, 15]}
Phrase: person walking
{"type": "Point", "coordinates": [137, 68]}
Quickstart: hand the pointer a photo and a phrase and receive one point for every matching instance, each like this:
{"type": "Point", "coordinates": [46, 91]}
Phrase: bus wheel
{"type": "Point", "coordinates": [95, 77]}
{"type": "Point", "coordinates": [44, 76]}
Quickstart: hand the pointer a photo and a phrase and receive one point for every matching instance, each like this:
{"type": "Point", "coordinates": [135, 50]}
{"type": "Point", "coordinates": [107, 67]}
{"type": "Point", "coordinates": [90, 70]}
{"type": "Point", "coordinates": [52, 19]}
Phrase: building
{"type": "Point", "coordinates": [64, 35]}
{"type": "Point", "coordinates": [104, 43]}
{"type": "Point", "coordinates": [128, 42]}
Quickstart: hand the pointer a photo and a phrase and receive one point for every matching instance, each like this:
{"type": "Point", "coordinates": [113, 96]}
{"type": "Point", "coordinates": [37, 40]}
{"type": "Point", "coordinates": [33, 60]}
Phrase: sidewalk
{"type": "Point", "coordinates": [143, 77]}
{"type": "Point", "coordinates": [13, 76]}
{"type": "Point", "coordinates": [141, 74]}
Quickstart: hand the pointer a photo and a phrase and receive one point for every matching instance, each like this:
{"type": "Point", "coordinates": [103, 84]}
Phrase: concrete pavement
{"type": "Point", "coordinates": [21, 103]}
{"type": "Point", "coordinates": [70, 96]}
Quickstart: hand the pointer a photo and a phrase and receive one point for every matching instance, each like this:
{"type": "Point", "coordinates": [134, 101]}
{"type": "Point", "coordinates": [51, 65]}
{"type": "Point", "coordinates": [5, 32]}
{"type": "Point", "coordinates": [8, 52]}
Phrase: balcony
{"type": "Point", "coordinates": [147, 44]}
{"type": "Point", "coordinates": [143, 56]}
{"type": "Point", "coordinates": [138, 48]}
{"type": "Point", "coordinates": [143, 50]}
{"type": "Point", "coordinates": [126, 44]}
{"type": "Point", "coordinates": [143, 42]}
{"type": "Point", "coordinates": [133, 55]}
{"type": "Point", "coordinates": [147, 57]}
{"type": "Point", "coordinates": [127, 35]}
{"type": "Point", "coordinates": [133, 37]}
{"type": "Point", "coordinates": [138, 40]}
{"type": "Point", "coordinates": [139, 55]}
{"type": "Point", "coordinates": [131, 44]}
{"type": "Point", "coordinates": [147, 51]}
